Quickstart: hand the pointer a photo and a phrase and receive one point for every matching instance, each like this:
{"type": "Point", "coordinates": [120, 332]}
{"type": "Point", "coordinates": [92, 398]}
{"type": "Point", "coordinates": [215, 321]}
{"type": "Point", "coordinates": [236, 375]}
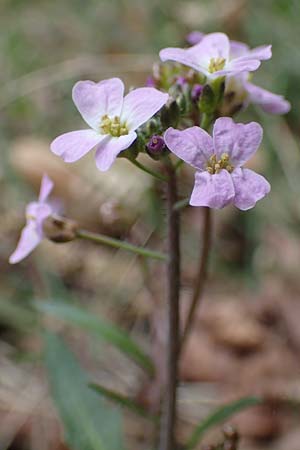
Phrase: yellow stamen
{"type": "Point", "coordinates": [216, 64]}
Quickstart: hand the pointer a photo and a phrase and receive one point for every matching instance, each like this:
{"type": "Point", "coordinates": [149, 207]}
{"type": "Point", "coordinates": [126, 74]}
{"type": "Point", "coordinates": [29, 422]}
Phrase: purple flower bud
{"type": "Point", "coordinates": [196, 92]}
{"type": "Point", "coordinates": [156, 144]}
{"type": "Point", "coordinates": [181, 81]}
{"type": "Point", "coordinates": [150, 82]}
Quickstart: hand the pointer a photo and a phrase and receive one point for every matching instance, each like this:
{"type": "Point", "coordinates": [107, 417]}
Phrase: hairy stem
{"type": "Point", "coordinates": [101, 239]}
{"type": "Point", "coordinates": [168, 421]}
{"type": "Point", "coordinates": [201, 273]}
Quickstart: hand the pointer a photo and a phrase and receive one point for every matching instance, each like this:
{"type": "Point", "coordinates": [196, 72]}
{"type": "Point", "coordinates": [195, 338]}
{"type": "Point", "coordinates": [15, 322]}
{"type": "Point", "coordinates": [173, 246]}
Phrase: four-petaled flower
{"type": "Point", "coordinates": [239, 84]}
{"type": "Point", "coordinates": [212, 57]}
{"type": "Point", "coordinates": [113, 120]}
{"type": "Point", "coordinates": [36, 213]}
{"type": "Point", "coordinates": [220, 178]}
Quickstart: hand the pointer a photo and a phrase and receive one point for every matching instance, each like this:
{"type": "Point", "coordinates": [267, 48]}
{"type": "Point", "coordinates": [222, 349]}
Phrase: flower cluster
{"type": "Point", "coordinates": [209, 81]}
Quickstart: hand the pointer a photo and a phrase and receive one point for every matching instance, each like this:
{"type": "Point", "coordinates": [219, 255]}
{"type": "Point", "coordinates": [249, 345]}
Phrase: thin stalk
{"type": "Point", "coordinates": [112, 242]}
{"type": "Point", "coordinates": [154, 174]}
{"type": "Point", "coordinates": [168, 421]}
{"type": "Point", "coordinates": [201, 274]}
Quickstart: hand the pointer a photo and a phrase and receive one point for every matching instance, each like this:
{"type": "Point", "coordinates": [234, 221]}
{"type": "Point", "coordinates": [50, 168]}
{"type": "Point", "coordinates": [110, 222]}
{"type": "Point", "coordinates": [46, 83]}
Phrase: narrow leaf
{"type": "Point", "coordinates": [220, 415]}
{"type": "Point", "coordinates": [104, 330]}
{"type": "Point", "coordinates": [123, 401]}
{"type": "Point", "coordinates": [89, 423]}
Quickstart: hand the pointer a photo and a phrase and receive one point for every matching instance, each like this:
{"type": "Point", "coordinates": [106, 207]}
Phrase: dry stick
{"type": "Point", "coordinates": [168, 421]}
{"type": "Point", "coordinates": [201, 274]}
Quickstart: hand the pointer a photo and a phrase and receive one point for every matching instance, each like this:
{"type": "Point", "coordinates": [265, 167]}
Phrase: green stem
{"type": "Point", "coordinates": [101, 239]}
{"type": "Point", "coordinates": [154, 174]}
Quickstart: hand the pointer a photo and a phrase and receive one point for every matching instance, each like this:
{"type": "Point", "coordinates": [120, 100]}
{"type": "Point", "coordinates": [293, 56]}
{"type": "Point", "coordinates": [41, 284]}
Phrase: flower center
{"type": "Point", "coordinates": [215, 166]}
{"type": "Point", "coordinates": [216, 64]}
{"type": "Point", "coordinates": [113, 126]}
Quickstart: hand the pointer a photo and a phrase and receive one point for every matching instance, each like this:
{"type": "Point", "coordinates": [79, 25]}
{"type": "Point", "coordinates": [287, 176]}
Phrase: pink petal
{"type": "Point", "coordinates": [238, 49]}
{"type": "Point", "coordinates": [239, 65]}
{"type": "Point", "coordinates": [240, 141]}
{"type": "Point", "coordinates": [29, 239]}
{"type": "Point", "coordinates": [214, 191]}
{"type": "Point", "coordinates": [74, 145]}
{"type": "Point", "coordinates": [181, 56]}
{"type": "Point", "coordinates": [262, 53]}
{"type": "Point", "coordinates": [269, 102]}
{"type": "Point", "coordinates": [46, 187]}
{"type": "Point", "coordinates": [109, 149]}
{"type": "Point", "coordinates": [249, 188]}
{"type": "Point", "coordinates": [94, 100]}
{"type": "Point", "coordinates": [193, 145]}
{"type": "Point", "coordinates": [140, 105]}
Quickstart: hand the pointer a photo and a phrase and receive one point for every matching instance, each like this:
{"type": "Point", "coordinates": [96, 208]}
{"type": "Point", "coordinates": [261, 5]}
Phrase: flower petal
{"type": "Point", "coordinates": [46, 187]}
{"type": "Point", "coordinates": [239, 140]}
{"type": "Point", "coordinates": [214, 191]}
{"type": "Point", "coordinates": [239, 65]}
{"type": "Point", "coordinates": [141, 104]}
{"type": "Point", "coordinates": [193, 145]}
{"type": "Point", "coordinates": [109, 149]}
{"type": "Point", "coordinates": [93, 100]}
{"type": "Point", "coordinates": [249, 188]}
{"type": "Point", "coordinates": [238, 49]}
{"type": "Point", "coordinates": [269, 102]}
{"type": "Point", "coordinates": [74, 145]}
{"type": "Point", "coordinates": [262, 53]}
{"type": "Point", "coordinates": [29, 239]}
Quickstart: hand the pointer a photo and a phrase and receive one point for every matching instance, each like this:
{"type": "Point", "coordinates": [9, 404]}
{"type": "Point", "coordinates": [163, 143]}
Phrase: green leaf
{"type": "Point", "coordinates": [220, 415]}
{"type": "Point", "coordinates": [89, 423]}
{"type": "Point", "coordinates": [123, 401]}
{"type": "Point", "coordinates": [101, 329]}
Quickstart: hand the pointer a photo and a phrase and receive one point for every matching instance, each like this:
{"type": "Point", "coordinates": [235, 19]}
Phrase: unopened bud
{"type": "Point", "coordinates": [60, 229]}
{"type": "Point", "coordinates": [152, 126]}
{"type": "Point", "coordinates": [196, 92]}
{"type": "Point", "coordinates": [151, 82]}
{"type": "Point", "coordinates": [156, 145]}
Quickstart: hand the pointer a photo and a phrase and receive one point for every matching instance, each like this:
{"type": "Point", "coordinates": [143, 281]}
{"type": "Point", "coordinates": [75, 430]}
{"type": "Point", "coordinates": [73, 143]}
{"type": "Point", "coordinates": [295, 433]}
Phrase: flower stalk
{"type": "Point", "coordinates": [168, 420]}
{"type": "Point", "coordinates": [112, 242]}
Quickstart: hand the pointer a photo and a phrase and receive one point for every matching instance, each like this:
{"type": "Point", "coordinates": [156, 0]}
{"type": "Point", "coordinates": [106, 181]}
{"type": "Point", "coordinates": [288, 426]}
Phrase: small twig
{"type": "Point", "coordinates": [201, 273]}
{"type": "Point", "coordinates": [101, 239]}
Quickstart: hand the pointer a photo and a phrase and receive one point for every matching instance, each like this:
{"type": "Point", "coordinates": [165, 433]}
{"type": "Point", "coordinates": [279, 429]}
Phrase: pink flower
{"type": "Point", "coordinates": [220, 178]}
{"type": "Point", "coordinates": [112, 118]}
{"type": "Point", "coordinates": [212, 56]}
{"type": "Point", "coordinates": [36, 213]}
{"type": "Point", "coordinates": [239, 84]}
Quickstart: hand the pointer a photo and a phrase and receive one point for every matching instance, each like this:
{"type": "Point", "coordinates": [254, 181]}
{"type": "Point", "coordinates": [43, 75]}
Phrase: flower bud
{"type": "Point", "coordinates": [152, 126]}
{"type": "Point", "coordinates": [196, 92]}
{"type": "Point", "coordinates": [151, 82]}
{"type": "Point", "coordinates": [156, 145]}
{"type": "Point", "coordinates": [60, 229]}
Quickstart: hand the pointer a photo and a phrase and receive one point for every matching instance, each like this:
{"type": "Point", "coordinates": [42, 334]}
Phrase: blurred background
{"type": "Point", "coordinates": [247, 338]}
